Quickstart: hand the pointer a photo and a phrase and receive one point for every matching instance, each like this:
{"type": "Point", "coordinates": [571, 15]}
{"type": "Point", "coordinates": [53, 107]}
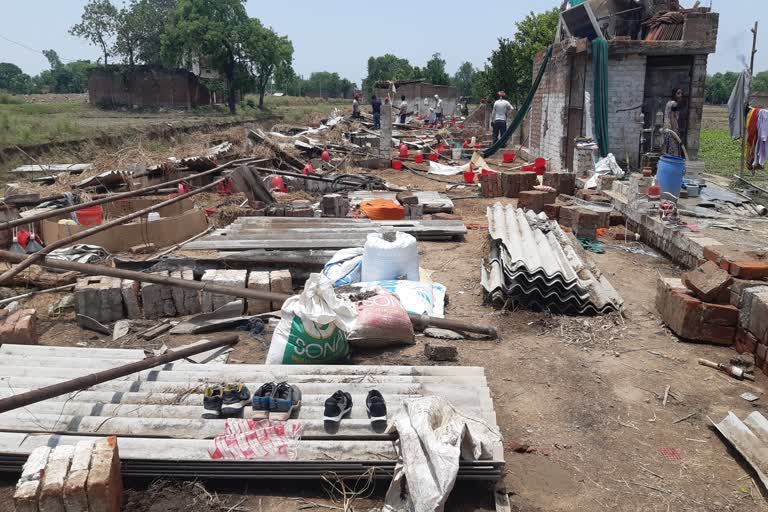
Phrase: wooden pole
{"type": "Point", "coordinates": [114, 197]}
{"type": "Point", "coordinates": [420, 322]}
{"type": "Point", "coordinates": [97, 229]}
{"type": "Point", "coordinates": [744, 118]}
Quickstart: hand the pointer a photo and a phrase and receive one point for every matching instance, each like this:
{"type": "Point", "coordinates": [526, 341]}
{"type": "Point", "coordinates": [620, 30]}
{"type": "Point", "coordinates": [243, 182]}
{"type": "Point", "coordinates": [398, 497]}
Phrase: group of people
{"type": "Point", "coordinates": [499, 114]}
{"type": "Point", "coordinates": [402, 110]}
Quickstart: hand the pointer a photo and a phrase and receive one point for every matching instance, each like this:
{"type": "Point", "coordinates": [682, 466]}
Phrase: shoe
{"type": "Point", "coordinates": [262, 399]}
{"type": "Point", "coordinates": [285, 399]}
{"type": "Point", "coordinates": [337, 406]}
{"type": "Point", "coordinates": [376, 408]}
{"type": "Point", "coordinates": [234, 399]}
{"type": "Point", "coordinates": [212, 400]}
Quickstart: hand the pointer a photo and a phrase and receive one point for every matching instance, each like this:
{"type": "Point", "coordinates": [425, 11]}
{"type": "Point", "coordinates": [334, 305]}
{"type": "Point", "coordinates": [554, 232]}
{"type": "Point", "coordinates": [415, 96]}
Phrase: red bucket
{"type": "Point", "coordinates": [469, 176]}
{"type": "Point", "coordinates": [418, 159]}
{"type": "Point", "coordinates": [540, 163]}
{"type": "Point", "coordinates": [89, 216]}
{"type": "Point", "coordinates": [529, 168]}
{"type": "Point", "coordinates": [509, 157]}
{"type": "Point", "coordinates": [397, 165]}
{"type": "Point", "coordinates": [433, 157]}
{"type": "Point", "coordinates": [487, 172]}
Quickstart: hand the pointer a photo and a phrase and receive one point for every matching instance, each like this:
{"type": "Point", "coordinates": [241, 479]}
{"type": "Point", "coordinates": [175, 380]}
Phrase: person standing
{"type": "Point", "coordinates": [438, 111]}
{"type": "Point", "coordinates": [376, 107]}
{"type": "Point", "coordinates": [501, 110]}
{"type": "Point", "coordinates": [672, 123]}
{"type": "Point", "coordinates": [403, 109]}
{"type": "Point", "coordinates": [356, 107]}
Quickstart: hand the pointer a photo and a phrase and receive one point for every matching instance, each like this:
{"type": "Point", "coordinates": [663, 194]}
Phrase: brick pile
{"type": "Point", "coordinates": [536, 200]}
{"type": "Point", "coordinates": [583, 221]}
{"type": "Point", "coordinates": [513, 183]}
{"type": "Point", "coordinates": [563, 182]}
{"type": "Point", "coordinates": [490, 185]}
{"type": "Point", "coordinates": [723, 301]}
{"type": "Point", "coordinates": [19, 327]}
{"type": "Point", "coordinates": [81, 478]}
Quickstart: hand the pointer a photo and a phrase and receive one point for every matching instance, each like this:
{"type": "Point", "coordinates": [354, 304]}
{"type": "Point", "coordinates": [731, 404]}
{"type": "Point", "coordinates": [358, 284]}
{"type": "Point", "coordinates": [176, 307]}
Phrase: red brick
{"type": "Point", "coordinates": [552, 211]}
{"type": "Point", "coordinates": [490, 185]}
{"type": "Point", "coordinates": [749, 269]}
{"type": "Point", "coordinates": [105, 486]}
{"type": "Point", "coordinates": [709, 283]}
{"type": "Point", "coordinates": [25, 331]}
{"type": "Point", "coordinates": [713, 253]}
{"type": "Point", "coordinates": [718, 334]}
{"type": "Point", "coordinates": [720, 314]}
{"type": "Point", "coordinates": [535, 200]}
{"type": "Point", "coordinates": [746, 340]}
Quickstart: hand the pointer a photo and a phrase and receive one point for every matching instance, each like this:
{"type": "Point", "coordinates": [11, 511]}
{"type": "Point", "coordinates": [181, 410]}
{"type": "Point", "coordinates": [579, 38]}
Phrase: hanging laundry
{"type": "Point", "coordinates": [761, 147]}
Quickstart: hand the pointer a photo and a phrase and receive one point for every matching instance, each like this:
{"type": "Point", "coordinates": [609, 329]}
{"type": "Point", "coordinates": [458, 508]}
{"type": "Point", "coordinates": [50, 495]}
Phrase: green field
{"type": "Point", "coordinates": [38, 123]}
{"type": "Point", "coordinates": [720, 153]}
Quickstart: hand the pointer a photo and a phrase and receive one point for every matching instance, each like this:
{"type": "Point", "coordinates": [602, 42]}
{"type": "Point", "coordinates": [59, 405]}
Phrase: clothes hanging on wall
{"type": "Point", "coordinates": [757, 138]}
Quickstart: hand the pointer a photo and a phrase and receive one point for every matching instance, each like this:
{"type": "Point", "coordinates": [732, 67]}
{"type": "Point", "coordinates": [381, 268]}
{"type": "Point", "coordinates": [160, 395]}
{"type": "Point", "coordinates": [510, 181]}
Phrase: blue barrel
{"type": "Point", "coordinates": [669, 175]}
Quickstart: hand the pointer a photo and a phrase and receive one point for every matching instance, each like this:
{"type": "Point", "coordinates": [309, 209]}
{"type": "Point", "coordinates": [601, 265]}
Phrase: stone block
{"type": "Point", "coordinates": [562, 182]}
{"type": "Point", "coordinates": [739, 285]}
{"type": "Point", "coordinates": [55, 473]}
{"type": "Point", "coordinates": [280, 281]}
{"type": "Point", "coordinates": [709, 282]}
{"type": "Point", "coordinates": [552, 211]}
{"type": "Point", "coordinates": [746, 343]}
{"type": "Point", "coordinates": [334, 205]}
{"type": "Point", "coordinates": [99, 297]}
{"type": "Point", "coordinates": [259, 281]}
{"type": "Point", "coordinates": [414, 211]}
{"type": "Point", "coordinates": [131, 292]}
{"type": "Point", "coordinates": [758, 317]}
{"type": "Point", "coordinates": [569, 216]}
{"type": "Point", "coordinates": [157, 299]}
{"type": "Point", "coordinates": [75, 491]}
{"type": "Point", "coordinates": [441, 352]}
{"type": "Point", "coordinates": [213, 301]}
{"type": "Point", "coordinates": [20, 327]}
{"type": "Point", "coordinates": [605, 182]}
{"type": "Point", "coordinates": [535, 200]}
{"type": "Point", "coordinates": [185, 300]}
{"type": "Point", "coordinates": [105, 485]}
{"type": "Point", "coordinates": [745, 305]}
{"type": "Point", "coordinates": [720, 314]}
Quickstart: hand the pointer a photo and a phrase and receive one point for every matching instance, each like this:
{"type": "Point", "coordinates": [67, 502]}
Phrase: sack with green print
{"type": "Point", "coordinates": [314, 326]}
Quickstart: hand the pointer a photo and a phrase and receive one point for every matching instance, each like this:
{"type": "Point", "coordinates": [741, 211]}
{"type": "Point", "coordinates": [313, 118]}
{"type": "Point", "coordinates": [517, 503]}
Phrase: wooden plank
{"type": "Point", "coordinates": [53, 168]}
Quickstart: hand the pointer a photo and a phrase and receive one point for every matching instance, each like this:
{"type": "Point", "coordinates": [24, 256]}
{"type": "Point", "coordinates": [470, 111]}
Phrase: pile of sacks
{"type": "Point", "coordinates": [363, 298]}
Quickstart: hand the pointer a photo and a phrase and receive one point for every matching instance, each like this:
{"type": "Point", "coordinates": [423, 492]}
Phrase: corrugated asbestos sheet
{"type": "Point", "coordinates": [156, 414]}
{"type": "Point", "coordinates": [278, 233]}
{"type": "Point", "coordinates": [750, 438]}
{"type": "Point", "coordinates": [533, 263]}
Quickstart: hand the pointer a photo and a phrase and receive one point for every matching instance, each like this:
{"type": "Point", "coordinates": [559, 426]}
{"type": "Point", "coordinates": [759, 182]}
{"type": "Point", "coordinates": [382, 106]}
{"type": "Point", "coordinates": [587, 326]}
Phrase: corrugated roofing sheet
{"type": "Point", "coordinates": [533, 263]}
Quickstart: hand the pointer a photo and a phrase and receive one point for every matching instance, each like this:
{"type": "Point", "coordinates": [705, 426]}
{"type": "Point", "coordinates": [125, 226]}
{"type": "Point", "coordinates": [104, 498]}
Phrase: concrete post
{"type": "Point", "coordinates": [385, 144]}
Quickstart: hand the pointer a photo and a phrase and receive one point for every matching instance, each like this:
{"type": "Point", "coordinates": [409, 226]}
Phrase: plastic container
{"type": "Point", "coordinates": [433, 157]}
{"type": "Point", "coordinates": [487, 172]}
{"type": "Point", "coordinates": [456, 153]}
{"type": "Point", "coordinates": [397, 165]}
{"type": "Point", "coordinates": [278, 184]}
{"type": "Point", "coordinates": [383, 260]}
{"type": "Point", "coordinates": [669, 175]}
{"type": "Point", "coordinates": [469, 176]}
{"type": "Point", "coordinates": [419, 158]}
{"type": "Point", "coordinates": [540, 163]}
{"type": "Point", "coordinates": [153, 216]}
{"type": "Point", "coordinates": [508, 158]}
{"type": "Point", "coordinates": [403, 151]}
{"type": "Point", "coordinates": [89, 216]}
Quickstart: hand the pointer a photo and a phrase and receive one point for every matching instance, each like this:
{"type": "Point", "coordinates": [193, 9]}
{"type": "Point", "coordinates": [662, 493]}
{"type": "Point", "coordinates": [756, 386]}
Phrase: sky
{"type": "Point", "coordinates": [332, 36]}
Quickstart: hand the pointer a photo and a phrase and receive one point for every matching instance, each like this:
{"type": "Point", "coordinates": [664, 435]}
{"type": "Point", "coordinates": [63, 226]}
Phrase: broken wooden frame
{"type": "Point", "coordinates": [420, 322]}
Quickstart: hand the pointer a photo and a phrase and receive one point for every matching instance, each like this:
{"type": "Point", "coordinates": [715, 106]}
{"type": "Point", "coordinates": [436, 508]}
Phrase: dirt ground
{"type": "Point", "coordinates": [584, 392]}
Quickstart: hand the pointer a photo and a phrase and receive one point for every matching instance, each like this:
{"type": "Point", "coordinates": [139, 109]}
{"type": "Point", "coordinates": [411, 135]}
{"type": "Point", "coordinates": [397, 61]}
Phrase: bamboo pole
{"type": "Point", "coordinates": [38, 395]}
{"type": "Point", "coordinates": [97, 229]}
{"type": "Point", "coordinates": [420, 322]}
{"type": "Point", "coordinates": [744, 119]}
{"type": "Point", "coordinates": [114, 197]}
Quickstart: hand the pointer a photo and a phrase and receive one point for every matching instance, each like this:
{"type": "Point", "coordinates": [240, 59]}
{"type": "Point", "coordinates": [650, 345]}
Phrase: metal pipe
{"type": "Point", "coordinates": [87, 381]}
{"type": "Point", "coordinates": [97, 229]}
{"type": "Point", "coordinates": [123, 195]}
{"type": "Point", "coordinates": [420, 322]}
{"type": "Point", "coordinates": [32, 294]}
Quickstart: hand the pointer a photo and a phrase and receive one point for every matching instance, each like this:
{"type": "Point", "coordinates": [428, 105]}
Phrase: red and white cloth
{"type": "Point", "coordinates": [251, 439]}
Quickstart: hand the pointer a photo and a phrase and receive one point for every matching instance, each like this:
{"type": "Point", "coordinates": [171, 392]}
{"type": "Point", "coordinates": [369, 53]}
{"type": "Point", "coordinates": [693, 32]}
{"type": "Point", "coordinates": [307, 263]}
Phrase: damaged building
{"type": "Point", "coordinates": [653, 49]}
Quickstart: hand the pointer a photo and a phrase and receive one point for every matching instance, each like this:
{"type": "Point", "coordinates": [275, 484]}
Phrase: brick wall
{"type": "Point", "coordinates": [696, 104]}
{"type": "Point", "coordinates": [147, 87]}
{"type": "Point", "coordinates": [549, 111]}
{"type": "Point", "coordinates": [626, 84]}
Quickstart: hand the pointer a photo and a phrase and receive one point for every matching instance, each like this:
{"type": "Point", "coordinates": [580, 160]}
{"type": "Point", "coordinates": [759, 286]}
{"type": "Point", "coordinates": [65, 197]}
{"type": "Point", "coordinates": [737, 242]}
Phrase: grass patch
{"type": "Point", "coordinates": [720, 154]}
{"type": "Point", "coordinates": [8, 98]}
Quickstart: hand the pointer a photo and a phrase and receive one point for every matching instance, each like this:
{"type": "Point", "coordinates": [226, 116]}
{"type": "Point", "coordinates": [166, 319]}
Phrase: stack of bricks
{"type": "Point", "coordinates": [213, 301]}
{"type": "Point", "coordinates": [593, 196]}
{"type": "Point", "coordinates": [536, 200]}
{"type": "Point", "coordinates": [513, 183]}
{"type": "Point", "coordinates": [563, 182]}
{"type": "Point", "coordinates": [334, 205]}
{"type": "Point", "coordinates": [698, 306]}
{"type": "Point", "coordinates": [583, 221]}
{"type": "Point", "coordinates": [19, 327]}
{"type": "Point", "coordinates": [185, 300]}
{"type": "Point", "coordinates": [80, 478]}
{"type": "Point", "coordinates": [157, 299]}
{"type": "Point", "coordinates": [276, 281]}
{"type": "Point", "coordinates": [100, 298]}
{"type": "Point", "coordinates": [298, 208]}
{"type": "Point", "coordinates": [490, 185]}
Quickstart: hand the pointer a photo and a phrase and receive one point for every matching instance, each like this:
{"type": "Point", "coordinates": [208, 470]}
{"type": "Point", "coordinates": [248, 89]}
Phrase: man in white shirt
{"type": "Point", "coordinates": [438, 111]}
{"type": "Point", "coordinates": [501, 109]}
{"type": "Point", "coordinates": [403, 109]}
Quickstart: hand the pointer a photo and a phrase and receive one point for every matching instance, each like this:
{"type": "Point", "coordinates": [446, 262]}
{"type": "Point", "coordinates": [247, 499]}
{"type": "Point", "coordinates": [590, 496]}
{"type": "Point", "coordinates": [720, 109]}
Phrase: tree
{"type": "Point", "coordinates": [62, 78]}
{"type": "Point", "coordinates": [265, 51]}
{"type": "Point", "coordinates": [464, 79]}
{"type": "Point", "coordinates": [97, 25]}
{"type": "Point", "coordinates": [510, 66]}
{"type": "Point", "coordinates": [718, 87]}
{"type": "Point", "coordinates": [152, 16]}
{"type": "Point", "coordinates": [434, 71]}
{"type": "Point", "coordinates": [214, 29]}
{"type": "Point", "coordinates": [13, 79]}
{"type": "Point", "coordinates": [387, 67]}
{"type": "Point", "coordinates": [760, 82]}
{"type": "Point", "coordinates": [128, 29]}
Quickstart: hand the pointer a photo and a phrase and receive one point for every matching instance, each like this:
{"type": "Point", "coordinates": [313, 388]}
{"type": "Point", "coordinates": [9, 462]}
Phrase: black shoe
{"type": "Point", "coordinates": [337, 406]}
{"type": "Point", "coordinates": [212, 400]}
{"type": "Point", "coordinates": [285, 400]}
{"type": "Point", "coordinates": [376, 408]}
{"type": "Point", "coordinates": [234, 399]}
{"type": "Point", "coordinates": [261, 400]}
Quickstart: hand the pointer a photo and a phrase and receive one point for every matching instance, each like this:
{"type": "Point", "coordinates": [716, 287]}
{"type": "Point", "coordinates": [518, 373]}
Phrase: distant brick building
{"type": "Point", "coordinates": [147, 87]}
{"type": "Point", "coordinates": [642, 74]}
